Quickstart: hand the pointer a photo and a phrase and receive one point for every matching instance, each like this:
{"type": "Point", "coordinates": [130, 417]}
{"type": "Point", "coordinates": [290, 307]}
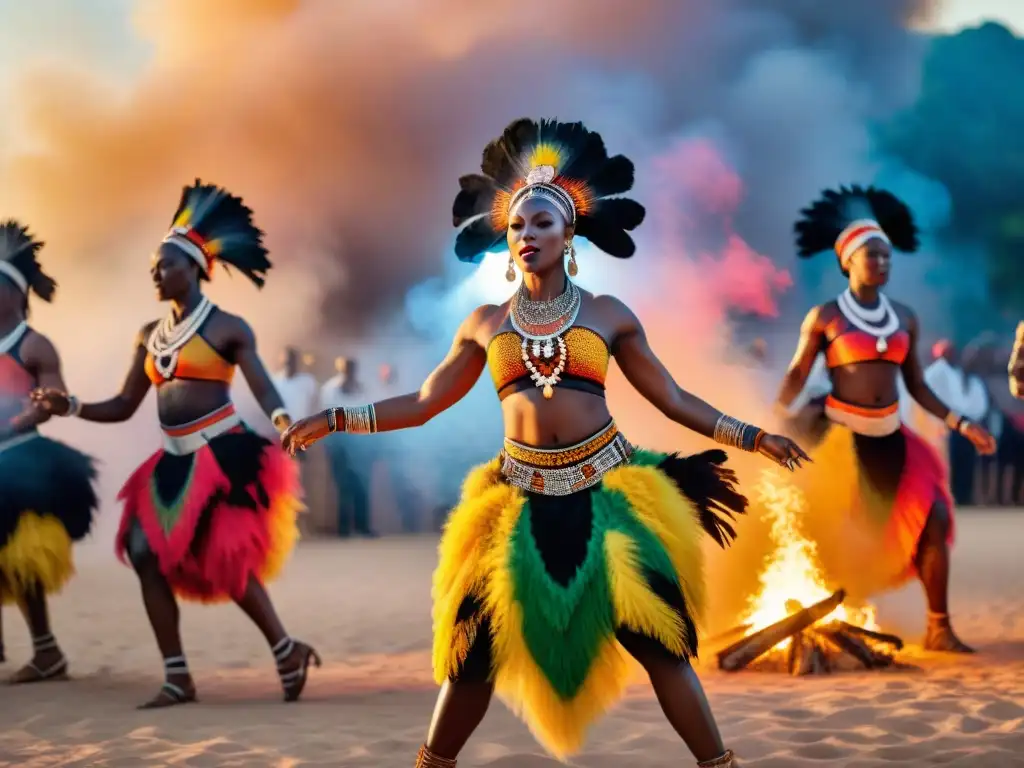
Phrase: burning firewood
{"type": "Point", "coordinates": [847, 642]}
{"type": "Point", "coordinates": [867, 634]}
{"type": "Point", "coordinates": [741, 653]}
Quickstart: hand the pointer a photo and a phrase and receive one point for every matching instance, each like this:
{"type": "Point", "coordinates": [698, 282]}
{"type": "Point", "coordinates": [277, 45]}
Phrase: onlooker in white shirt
{"type": "Point", "coordinates": [296, 387]}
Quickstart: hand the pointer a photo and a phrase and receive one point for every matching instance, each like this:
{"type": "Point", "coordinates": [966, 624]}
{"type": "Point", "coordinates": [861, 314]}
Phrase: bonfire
{"type": "Point", "coordinates": [796, 621]}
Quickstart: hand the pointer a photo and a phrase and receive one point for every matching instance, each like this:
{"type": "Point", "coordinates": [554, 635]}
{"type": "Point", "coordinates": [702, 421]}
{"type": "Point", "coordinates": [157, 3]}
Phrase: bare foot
{"type": "Point", "coordinates": [942, 638]}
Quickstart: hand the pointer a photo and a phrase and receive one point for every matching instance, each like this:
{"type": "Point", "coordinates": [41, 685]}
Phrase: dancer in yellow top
{"type": "Point", "coordinates": [573, 548]}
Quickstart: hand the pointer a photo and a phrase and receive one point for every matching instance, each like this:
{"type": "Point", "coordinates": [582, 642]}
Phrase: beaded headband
{"type": "Point", "coordinates": [539, 184]}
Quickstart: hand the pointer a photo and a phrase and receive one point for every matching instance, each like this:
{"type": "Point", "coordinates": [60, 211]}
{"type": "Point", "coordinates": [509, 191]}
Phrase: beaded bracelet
{"type": "Point", "coordinates": [738, 434]}
{"type": "Point", "coordinates": [361, 420]}
{"type": "Point", "coordinates": [74, 406]}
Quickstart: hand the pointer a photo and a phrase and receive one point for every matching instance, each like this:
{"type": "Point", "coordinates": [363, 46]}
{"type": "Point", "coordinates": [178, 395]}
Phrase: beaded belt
{"type": "Point", "coordinates": [870, 422]}
{"type": "Point", "coordinates": [186, 439]}
{"type": "Point", "coordinates": [562, 471]}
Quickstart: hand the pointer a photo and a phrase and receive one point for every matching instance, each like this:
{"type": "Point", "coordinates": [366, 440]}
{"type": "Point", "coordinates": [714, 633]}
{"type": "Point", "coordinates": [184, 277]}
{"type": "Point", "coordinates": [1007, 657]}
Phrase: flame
{"type": "Point", "coordinates": [791, 578]}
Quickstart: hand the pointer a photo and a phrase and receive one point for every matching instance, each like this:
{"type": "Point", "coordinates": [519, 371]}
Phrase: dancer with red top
{"type": "Point", "coordinates": [892, 479]}
{"type": "Point", "coordinates": [212, 515]}
{"type": "Point", "coordinates": [47, 498]}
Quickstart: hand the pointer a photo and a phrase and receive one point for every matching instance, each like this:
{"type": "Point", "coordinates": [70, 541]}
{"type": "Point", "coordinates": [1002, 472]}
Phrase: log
{"type": "Point", "coordinates": [854, 646]}
{"type": "Point", "coordinates": [744, 651]}
{"type": "Point", "coordinates": [819, 661]}
{"type": "Point", "coordinates": [798, 660]}
{"type": "Point", "coordinates": [729, 636]}
{"type": "Point", "coordinates": [867, 634]}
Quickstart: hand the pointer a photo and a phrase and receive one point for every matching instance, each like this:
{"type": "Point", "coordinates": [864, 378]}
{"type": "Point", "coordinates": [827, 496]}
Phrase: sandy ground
{"type": "Point", "coordinates": [364, 605]}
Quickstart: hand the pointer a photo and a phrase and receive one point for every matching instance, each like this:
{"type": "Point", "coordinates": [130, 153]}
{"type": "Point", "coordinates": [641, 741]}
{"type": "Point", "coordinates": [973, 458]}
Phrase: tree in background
{"type": "Point", "coordinates": [966, 130]}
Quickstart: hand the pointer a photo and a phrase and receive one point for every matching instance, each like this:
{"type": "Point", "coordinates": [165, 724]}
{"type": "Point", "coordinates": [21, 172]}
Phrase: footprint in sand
{"type": "Point", "coordinates": [797, 714]}
{"type": "Point", "coordinates": [1001, 709]}
{"type": "Point", "coordinates": [823, 751]}
{"type": "Point", "coordinates": [970, 724]}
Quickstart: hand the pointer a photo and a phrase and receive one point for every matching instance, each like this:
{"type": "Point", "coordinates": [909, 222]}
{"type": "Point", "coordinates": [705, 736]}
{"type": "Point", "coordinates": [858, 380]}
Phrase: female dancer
{"type": "Point", "coordinates": [212, 515]}
{"type": "Point", "coordinates": [896, 482]}
{"type": "Point", "coordinates": [572, 546]}
{"type": "Point", "coordinates": [47, 498]}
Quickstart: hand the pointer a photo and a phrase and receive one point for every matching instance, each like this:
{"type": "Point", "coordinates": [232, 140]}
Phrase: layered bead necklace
{"type": "Point", "coordinates": [541, 325]}
{"type": "Point", "coordinates": [169, 336]}
{"type": "Point", "coordinates": [880, 322]}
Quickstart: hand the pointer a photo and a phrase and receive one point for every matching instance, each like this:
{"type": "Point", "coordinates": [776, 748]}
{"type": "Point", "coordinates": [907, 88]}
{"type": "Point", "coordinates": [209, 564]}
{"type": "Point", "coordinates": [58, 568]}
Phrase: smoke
{"type": "Point", "coordinates": [345, 126]}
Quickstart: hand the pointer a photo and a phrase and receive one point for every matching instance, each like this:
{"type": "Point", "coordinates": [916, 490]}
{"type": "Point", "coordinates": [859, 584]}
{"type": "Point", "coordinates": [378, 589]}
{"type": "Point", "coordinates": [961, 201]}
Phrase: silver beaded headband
{"type": "Point", "coordinates": [538, 184]}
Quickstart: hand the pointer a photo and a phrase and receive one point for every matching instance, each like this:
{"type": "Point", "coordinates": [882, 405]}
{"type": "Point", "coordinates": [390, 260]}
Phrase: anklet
{"type": "Point", "coordinates": [723, 761]}
{"type": "Point", "coordinates": [427, 759]}
{"type": "Point", "coordinates": [175, 666]}
{"type": "Point", "coordinates": [282, 649]}
{"type": "Point", "coordinates": [45, 642]}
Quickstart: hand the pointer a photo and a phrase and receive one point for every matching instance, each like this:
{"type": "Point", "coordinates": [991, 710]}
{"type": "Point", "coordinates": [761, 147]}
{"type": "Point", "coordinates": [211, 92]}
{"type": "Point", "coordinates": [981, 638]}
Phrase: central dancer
{"type": "Point", "coordinates": [572, 549]}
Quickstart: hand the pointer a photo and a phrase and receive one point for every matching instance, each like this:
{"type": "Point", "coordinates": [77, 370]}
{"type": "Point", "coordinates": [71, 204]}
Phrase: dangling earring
{"type": "Point", "coordinates": [510, 273]}
{"type": "Point", "coordinates": [570, 251]}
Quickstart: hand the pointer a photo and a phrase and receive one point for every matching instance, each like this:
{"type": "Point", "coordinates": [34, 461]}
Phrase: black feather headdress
{"type": "Point", "coordinates": [847, 217]}
{"type": "Point", "coordinates": [567, 159]}
{"type": "Point", "coordinates": [211, 225]}
{"type": "Point", "coordinates": [19, 263]}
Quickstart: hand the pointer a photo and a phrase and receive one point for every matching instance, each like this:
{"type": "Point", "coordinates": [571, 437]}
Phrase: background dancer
{"type": "Point", "coordinates": [572, 548]}
{"type": "Point", "coordinates": [212, 515]}
{"type": "Point", "coordinates": [896, 483]}
{"type": "Point", "coordinates": [47, 499]}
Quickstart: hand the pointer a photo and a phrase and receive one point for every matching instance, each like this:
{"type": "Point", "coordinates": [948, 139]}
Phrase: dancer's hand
{"type": "Point", "coordinates": [52, 401]}
{"type": "Point", "coordinates": [783, 451]}
{"type": "Point", "coordinates": [979, 437]}
{"type": "Point", "coordinates": [304, 432]}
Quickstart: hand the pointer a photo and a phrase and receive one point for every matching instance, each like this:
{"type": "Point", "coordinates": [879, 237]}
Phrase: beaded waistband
{"type": "Point", "coordinates": [19, 439]}
{"type": "Point", "coordinates": [563, 471]}
{"type": "Point", "coordinates": [870, 422]}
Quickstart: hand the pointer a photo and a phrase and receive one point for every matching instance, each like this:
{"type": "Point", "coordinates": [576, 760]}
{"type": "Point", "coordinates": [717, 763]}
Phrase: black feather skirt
{"type": "Point", "coordinates": [47, 502]}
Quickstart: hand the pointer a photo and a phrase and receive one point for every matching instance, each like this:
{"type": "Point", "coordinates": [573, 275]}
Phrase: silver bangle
{"type": "Point", "coordinates": [361, 420]}
{"type": "Point", "coordinates": [728, 431]}
{"type": "Point", "coordinates": [74, 406]}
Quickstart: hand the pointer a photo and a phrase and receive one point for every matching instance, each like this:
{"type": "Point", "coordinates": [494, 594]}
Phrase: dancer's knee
{"type": "Point", "coordinates": [939, 522]}
{"type": "Point", "coordinates": [140, 554]}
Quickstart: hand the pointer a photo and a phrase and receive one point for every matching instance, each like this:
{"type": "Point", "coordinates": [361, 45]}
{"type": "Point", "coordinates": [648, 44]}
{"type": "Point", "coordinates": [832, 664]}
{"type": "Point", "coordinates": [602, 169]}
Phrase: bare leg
{"type": "Point", "coordinates": [460, 708]}
{"type": "Point", "coordinates": [293, 658]}
{"type": "Point", "coordinates": [933, 566]}
{"type": "Point", "coordinates": [681, 697]}
{"type": "Point", "coordinates": [48, 662]}
{"type": "Point", "coordinates": [164, 617]}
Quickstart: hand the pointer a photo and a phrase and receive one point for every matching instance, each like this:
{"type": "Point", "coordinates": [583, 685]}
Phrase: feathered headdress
{"type": "Point", "coordinates": [18, 263]}
{"type": "Point", "coordinates": [843, 220]}
{"type": "Point", "coordinates": [562, 162]}
{"type": "Point", "coordinates": [213, 225]}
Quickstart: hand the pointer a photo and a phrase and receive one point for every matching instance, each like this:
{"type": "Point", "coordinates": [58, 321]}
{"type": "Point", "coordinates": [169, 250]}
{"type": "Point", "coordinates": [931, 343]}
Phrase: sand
{"type": "Point", "coordinates": [364, 605]}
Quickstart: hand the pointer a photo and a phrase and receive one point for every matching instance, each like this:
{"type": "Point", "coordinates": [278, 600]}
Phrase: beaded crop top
{"type": "Point", "coordinates": [197, 361]}
{"type": "Point", "coordinates": [585, 368]}
{"type": "Point", "coordinates": [848, 345]}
